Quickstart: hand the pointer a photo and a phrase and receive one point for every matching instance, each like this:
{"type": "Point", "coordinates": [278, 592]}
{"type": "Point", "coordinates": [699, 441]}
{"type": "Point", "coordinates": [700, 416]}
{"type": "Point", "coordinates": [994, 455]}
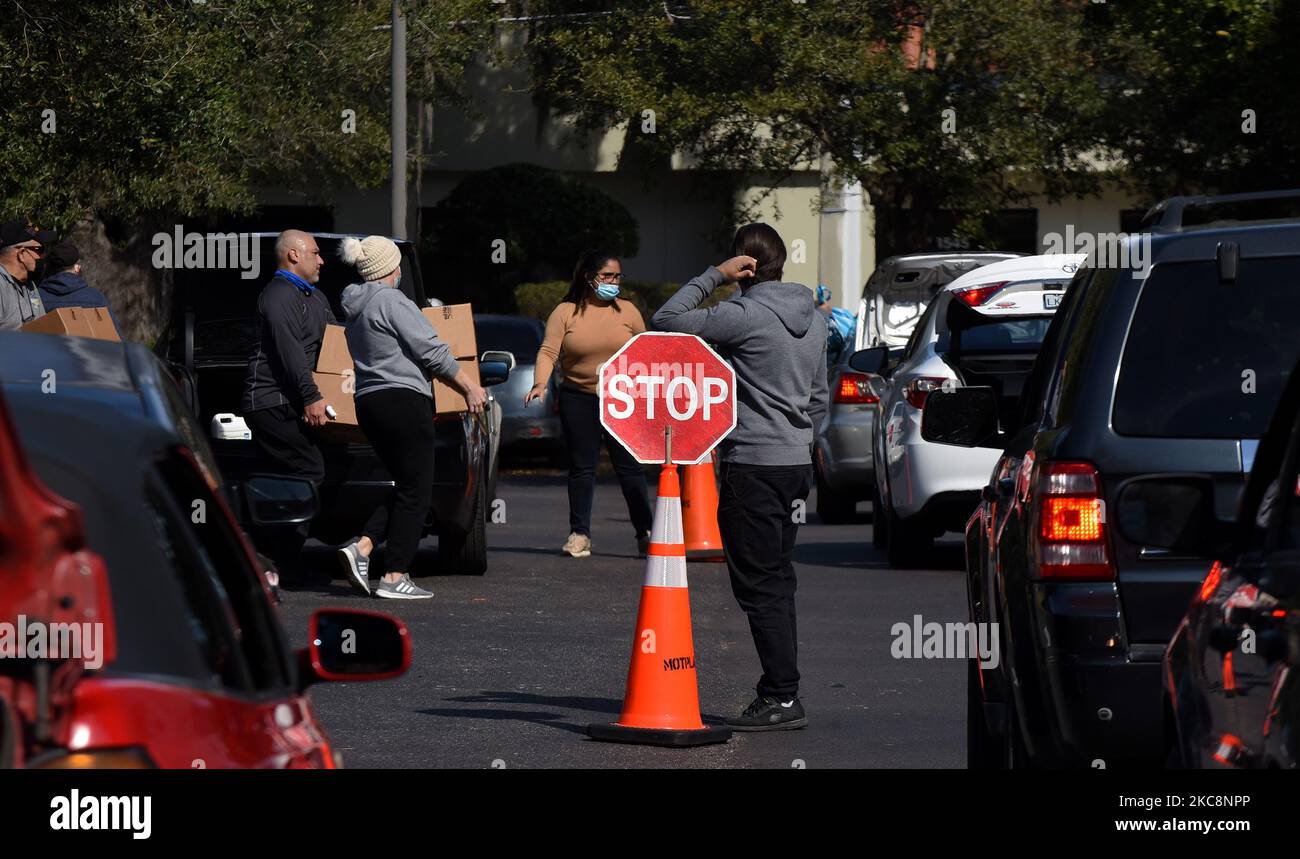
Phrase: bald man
{"type": "Point", "coordinates": [280, 398]}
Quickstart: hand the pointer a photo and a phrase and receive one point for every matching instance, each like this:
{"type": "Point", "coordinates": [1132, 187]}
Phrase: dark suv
{"type": "Point", "coordinates": [213, 331]}
{"type": "Point", "coordinates": [1147, 378]}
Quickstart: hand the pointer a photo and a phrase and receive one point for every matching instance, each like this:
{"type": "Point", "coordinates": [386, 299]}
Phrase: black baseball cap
{"type": "Point", "coordinates": [64, 256]}
{"type": "Point", "coordinates": [15, 233]}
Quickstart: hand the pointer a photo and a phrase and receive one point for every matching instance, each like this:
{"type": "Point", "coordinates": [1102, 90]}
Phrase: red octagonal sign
{"type": "Point", "coordinates": [661, 380]}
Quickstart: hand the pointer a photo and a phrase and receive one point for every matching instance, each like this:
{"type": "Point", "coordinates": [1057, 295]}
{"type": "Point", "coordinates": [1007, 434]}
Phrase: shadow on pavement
{"type": "Point", "coordinates": [610, 707]}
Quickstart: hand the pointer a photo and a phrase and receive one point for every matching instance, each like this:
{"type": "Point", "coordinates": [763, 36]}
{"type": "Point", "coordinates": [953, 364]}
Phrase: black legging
{"type": "Point", "coordinates": [398, 423]}
{"type": "Point", "coordinates": [580, 418]}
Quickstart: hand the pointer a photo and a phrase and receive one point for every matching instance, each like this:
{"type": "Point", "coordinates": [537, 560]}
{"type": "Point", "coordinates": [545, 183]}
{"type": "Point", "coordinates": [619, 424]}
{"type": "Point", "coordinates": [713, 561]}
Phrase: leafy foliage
{"type": "Point", "coordinates": [763, 86]}
{"type": "Point", "coordinates": [184, 108]}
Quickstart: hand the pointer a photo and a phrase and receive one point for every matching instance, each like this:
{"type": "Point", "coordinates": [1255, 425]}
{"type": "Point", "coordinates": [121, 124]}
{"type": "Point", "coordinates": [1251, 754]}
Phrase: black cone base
{"type": "Point", "coordinates": [615, 733]}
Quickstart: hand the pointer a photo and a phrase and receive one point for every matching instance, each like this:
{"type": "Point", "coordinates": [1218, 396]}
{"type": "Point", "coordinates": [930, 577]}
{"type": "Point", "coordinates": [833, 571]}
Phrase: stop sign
{"type": "Point", "coordinates": [661, 380]}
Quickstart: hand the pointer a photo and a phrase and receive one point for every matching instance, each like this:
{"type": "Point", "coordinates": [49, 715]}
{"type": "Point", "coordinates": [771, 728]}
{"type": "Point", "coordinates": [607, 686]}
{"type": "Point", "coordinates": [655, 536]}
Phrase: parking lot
{"type": "Point", "coordinates": [512, 666]}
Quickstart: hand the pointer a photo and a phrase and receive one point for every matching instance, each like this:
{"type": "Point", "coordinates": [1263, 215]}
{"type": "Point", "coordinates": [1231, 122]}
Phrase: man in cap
{"type": "Point", "coordinates": [65, 287]}
{"type": "Point", "coordinates": [20, 250]}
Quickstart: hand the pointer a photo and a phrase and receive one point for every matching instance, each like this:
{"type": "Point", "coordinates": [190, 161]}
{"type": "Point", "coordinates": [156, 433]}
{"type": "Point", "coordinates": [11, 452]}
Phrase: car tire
{"type": "Point", "coordinates": [834, 508]}
{"type": "Point", "coordinates": [983, 750]}
{"type": "Point", "coordinates": [465, 552]}
{"type": "Point", "coordinates": [879, 519]}
{"type": "Point", "coordinates": [908, 542]}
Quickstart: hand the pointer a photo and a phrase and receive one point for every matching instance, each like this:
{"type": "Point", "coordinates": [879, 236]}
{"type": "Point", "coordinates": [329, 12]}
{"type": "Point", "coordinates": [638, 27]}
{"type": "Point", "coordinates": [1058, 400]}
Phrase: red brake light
{"type": "Point", "coordinates": [916, 390]}
{"type": "Point", "coordinates": [977, 295]}
{"type": "Point", "coordinates": [853, 388]}
{"type": "Point", "coordinates": [1211, 582]}
{"type": "Point", "coordinates": [1072, 523]}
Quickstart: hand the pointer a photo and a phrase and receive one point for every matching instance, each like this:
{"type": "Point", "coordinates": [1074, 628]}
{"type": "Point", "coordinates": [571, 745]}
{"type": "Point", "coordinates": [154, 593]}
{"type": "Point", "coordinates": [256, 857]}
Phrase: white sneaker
{"type": "Point", "coordinates": [578, 545]}
{"type": "Point", "coordinates": [402, 589]}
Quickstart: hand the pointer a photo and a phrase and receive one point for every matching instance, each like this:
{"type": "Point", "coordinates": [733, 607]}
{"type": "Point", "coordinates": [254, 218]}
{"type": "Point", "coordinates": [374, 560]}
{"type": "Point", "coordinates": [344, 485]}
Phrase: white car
{"type": "Point", "coordinates": [984, 328]}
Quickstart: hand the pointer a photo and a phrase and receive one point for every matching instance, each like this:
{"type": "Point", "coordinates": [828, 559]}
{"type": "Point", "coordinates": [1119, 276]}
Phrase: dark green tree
{"type": "Point", "coordinates": [968, 105]}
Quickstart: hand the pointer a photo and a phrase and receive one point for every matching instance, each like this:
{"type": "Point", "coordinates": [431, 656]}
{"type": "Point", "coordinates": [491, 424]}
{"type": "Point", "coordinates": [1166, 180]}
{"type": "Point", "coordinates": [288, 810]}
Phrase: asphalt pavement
{"type": "Point", "coordinates": [510, 667]}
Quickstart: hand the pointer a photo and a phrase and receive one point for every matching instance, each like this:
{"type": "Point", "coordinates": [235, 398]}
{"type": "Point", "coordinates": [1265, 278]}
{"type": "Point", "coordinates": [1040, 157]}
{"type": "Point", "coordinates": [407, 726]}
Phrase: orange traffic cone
{"type": "Point", "coordinates": [662, 705]}
{"type": "Point", "coordinates": [700, 512]}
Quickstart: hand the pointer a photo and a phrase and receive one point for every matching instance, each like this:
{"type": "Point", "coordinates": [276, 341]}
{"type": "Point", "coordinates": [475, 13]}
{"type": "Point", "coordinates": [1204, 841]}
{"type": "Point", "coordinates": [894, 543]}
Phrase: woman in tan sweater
{"type": "Point", "coordinates": [587, 327]}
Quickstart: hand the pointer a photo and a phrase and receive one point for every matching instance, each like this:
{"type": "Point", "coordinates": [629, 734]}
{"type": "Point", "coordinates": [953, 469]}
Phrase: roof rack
{"type": "Point", "coordinates": [1182, 213]}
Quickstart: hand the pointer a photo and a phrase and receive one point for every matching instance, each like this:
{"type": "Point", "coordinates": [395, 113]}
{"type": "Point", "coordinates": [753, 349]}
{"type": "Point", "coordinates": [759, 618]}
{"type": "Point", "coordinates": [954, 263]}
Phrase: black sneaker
{"type": "Point", "coordinates": [770, 714]}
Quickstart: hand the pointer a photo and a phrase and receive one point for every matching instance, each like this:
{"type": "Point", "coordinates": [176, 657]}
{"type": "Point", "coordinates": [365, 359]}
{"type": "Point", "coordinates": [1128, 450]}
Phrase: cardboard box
{"type": "Point", "coordinates": [455, 326]}
{"type": "Point", "coordinates": [447, 399]}
{"type": "Point", "coordinates": [93, 322]}
{"type": "Point", "coordinates": [345, 426]}
{"type": "Point", "coordinates": [334, 356]}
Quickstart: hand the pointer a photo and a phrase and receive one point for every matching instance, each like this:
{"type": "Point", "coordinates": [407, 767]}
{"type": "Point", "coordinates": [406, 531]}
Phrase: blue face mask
{"type": "Point", "coordinates": [607, 291]}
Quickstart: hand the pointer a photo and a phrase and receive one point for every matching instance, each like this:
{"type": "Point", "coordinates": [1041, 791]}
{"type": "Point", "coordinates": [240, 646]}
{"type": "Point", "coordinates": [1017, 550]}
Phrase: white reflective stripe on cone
{"type": "Point", "coordinates": [668, 521]}
{"type": "Point", "coordinates": [665, 572]}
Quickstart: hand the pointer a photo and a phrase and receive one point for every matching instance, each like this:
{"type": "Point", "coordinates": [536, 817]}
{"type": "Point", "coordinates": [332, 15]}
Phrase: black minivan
{"type": "Point", "coordinates": [1149, 377]}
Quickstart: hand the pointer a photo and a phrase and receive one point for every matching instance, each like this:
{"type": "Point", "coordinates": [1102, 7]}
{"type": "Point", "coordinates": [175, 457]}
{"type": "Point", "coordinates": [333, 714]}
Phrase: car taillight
{"type": "Point", "coordinates": [854, 388]}
{"type": "Point", "coordinates": [916, 390]}
{"type": "Point", "coordinates": [1072, 523]}
{"type": "Point", "coordinates": [1211, 582]}
{"type": "Point", "coordinates": [977, 295]}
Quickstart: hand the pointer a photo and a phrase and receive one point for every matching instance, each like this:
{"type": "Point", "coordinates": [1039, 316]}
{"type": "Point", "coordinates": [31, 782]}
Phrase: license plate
{"type": "Point", "coordinates": [1052, 300]}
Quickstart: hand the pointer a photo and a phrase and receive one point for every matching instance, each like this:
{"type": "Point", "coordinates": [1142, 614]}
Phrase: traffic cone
{"type": "Point", "coordinates": [700, 512]}
{"type": "Point", "coordinates": [662, 704]}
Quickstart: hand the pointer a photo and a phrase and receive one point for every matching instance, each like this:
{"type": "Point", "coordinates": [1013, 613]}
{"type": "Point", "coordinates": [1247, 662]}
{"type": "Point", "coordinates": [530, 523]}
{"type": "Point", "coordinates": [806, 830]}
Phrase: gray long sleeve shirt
{"type": "Point", "coordinates": [391, 343]}
{"type": "Point", "coordinates": [775, 340]}
{"type": "Point", "coordinates": [20, 303]}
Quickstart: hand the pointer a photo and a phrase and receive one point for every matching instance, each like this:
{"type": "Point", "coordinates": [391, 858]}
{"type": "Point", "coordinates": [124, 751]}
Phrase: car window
{"type": "Point", "coordinates": [1023, 334]}
{"type": "Point", "coordinates": [511, 335]}
{"type": "Point", "coordinates": [1076, 341]}
{"type": "Point", "coordinates": [1209, 360]}
{"type": "Point", "coordinates": [922, 325]}
{"type": "Point", "coordinates": [212, 626]}
{"type": "Point", "coordinates": [216, 556]}
{"type": "Point", "coordinates": [1034, 398]}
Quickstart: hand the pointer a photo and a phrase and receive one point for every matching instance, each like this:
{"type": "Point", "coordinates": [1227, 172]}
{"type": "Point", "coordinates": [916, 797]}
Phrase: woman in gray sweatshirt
{"type": "Point", "coordinates": [396, 354]}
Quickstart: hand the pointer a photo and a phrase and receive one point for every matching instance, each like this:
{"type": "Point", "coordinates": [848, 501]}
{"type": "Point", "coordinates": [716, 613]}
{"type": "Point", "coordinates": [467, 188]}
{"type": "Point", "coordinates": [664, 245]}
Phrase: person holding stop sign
{"type": "Point", "coordinates": [775, 340]}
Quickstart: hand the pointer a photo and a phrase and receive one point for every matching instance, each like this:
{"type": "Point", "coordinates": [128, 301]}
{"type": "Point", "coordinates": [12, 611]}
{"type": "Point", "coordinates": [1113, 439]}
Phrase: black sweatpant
{"type": "Point", "coordinates": [285, 440]}
{"type": "Point", "coordinates": [398, 423]}
{"type": "Point", "coordinates": [580, 419]}
{"type": "Point", "coordinates": [756, 517]}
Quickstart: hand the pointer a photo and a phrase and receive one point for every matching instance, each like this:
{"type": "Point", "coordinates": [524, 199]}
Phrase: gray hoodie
{"type": "Point", "coordinates": [392, 344]}
{"type": "Point", "coordinates": [775, 340]}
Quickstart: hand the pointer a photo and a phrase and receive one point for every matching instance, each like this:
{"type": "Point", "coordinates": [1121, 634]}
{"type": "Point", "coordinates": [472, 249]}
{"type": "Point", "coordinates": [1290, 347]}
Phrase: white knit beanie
{"type": "Point", "coordinates": [374, 256]}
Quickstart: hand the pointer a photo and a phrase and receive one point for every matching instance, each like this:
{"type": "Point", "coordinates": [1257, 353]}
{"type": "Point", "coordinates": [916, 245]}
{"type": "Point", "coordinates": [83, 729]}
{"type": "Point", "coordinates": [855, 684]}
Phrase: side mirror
{"type": "Point", "coordinates": [273, 499]}
{"type": "Point", "coordinates": [1175, 513]}
{"type": "Point", "coordinates": [869, 360]}
{"type": "Point", "coordinates": [494, 367]}
{"type": "Point", "coordinates": [348, 644]}
{"type": "Point", "coordinates": [965, 417]}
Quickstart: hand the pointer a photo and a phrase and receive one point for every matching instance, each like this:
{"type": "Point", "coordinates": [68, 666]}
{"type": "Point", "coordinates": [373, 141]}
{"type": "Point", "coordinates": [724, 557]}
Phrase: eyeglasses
{"type": "Point", "coordinates": [36, 249]}
{"type": "Point", "coordinates": [609, 276]}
